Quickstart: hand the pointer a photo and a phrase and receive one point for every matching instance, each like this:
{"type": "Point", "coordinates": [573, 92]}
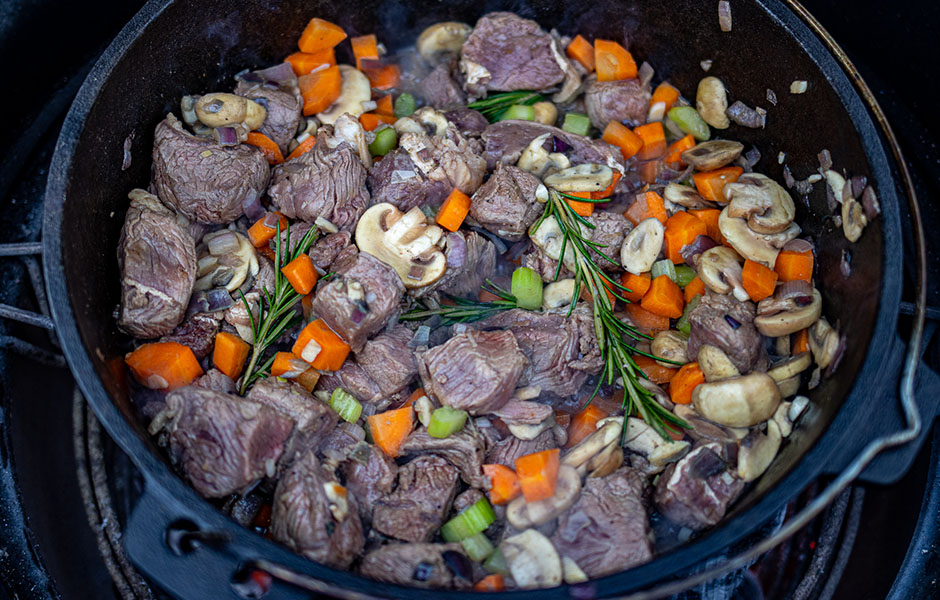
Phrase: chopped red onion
{"type": "Point", "coordinates": [870, 203]}
{"type": "Point", "coordinates": [845, 263]}
{"type": "Point", "coordinates": [858, 185]}
{"type": "Point", "coordinates": [559, 145]}
{"type": "Point", "coordinates": [501, 247]}
{"type": "Point", "coordinates": [825, 160]}
{"type": "Point", "coordinates": [519, 248]}
{"type": "Point", "coordinates": [699, 245]}
{"type": "Point", "coordinates": [280, 73]}
{"type": "Point", "coordinates": [733, 322]}
{"type": "Point", "coordinates": [271, 220]}
{"type": "Point", "coordinates": [788, 177]}
{"type": "Point", "coordinates": [645, 73]}
{"type": "Point", "coordinates": [456, 250]}
{"type": "Point", "coordinates": [798, 245]}
{"type": "Point", "coordinates": [227, 136]}
{"type": "Point", "coordinates": [795, 288]}
{"type": "Point", "coordinates": [251, 205]}
{"type": "Point", "coordinates": [357, 315]}
{"type": "Point", "coordinates": [837, 356]}
{"type": "Point", "coordinates": [218, 299]}
{"type": "Point", "coordinates": [744, 115]}
{"type": "Point", "coordinates": [724, 15]}
{"type": "Point", "coordinates": [772, 96]}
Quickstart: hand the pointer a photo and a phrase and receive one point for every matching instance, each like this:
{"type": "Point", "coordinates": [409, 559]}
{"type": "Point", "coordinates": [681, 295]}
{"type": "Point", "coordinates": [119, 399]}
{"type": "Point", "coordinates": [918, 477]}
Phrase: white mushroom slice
{"type": "Point", "coordinates": [783, 314]}
{"type": "Point", "coordinates": [532, 560]}
{"type": "Point", "coordinates": [606, 461]}
{"type": "Point", "coordinates": [442, 39]}
{"type": "Point", "coordinates": [789, 386]}
{"type": "Point", "coordinates": [836, 183]}
{"type": "Point", "coordinates": [587, 177]}
{"type": "Point", "coordinates": [530, 432]}
{"type": "Point", "coordinates": [355, 90]}
{"type": "Point", "coordinates": [403, 241]}
{"type": "Point", "coordinates": [572, 572]}
{"type": "Point", "coordinates": [432, 119]}
{"type": "Point", "coordinates": [424, 409]}
{"type": "Point", "coordinates": [537, 160]}
{"type": "Point", "coordinates": [547, 236]}
{"type": "Point", "coordinates": [643, 439]}
{"type": "Point", "coordinates": [522, 514]}
{"type": "Point", "coordinates": [670, 345]}
{"type": "Point", "coordinates": [711, 155]}
{"type": "Point", "coordinates": [782, 419]}
{"type": "Point", "coordinates": [474, 73]}
{"type": "Point", "coordinates": [767, 207]}
{"type": "Point", "coordinates": [720, 269]}
{"type": "Point", "coordinates": [642, 246]}
{"type": "Point", "coordinates": [571, 86]}
{"type": "Point", "coordinates": [823, 342]}
{"type": "Point", "coordinates": [228, 110]}
{"type": "Point", "coordinates": [711, 101]}
{"type": "Point", "coordinates": [558, 294]}
{"type": "Point", "coordinates": [715, 364]}
{"type": "Point", "coordinates": [797, 407]}
{"type": "Point", "coordinates": [685, 196]}
{"type": "Point", "coordinates": [349, 129]}
{"type": "Point", "coordinates": [545, 113]}
{"type": "Point", "coordinates": [228, 268]}
{"type": "Point", "coordinates": [593, 444]}
{"type": "Point", "coordinates": [408, 125]}
{"type": "Point", "coordinates": [853, 219]}
{"type": "Point", "coordinates": [757, 451]}
{"type": "Point", "coordinates": [759, 247]}
{"type": "Point", "coordinates": [738, 402]}
{"type": "Point", "coordinates": [790, 367]}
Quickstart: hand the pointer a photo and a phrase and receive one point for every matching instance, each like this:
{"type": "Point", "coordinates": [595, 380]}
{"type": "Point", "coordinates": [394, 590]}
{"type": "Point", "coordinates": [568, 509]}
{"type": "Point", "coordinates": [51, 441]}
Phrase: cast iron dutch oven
{"type": "Point", "coordinates": [175, 48]}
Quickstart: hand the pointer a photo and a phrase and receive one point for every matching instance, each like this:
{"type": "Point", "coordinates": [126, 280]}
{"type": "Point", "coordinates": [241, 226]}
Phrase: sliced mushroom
{"type": "Point", "coordinates": [711, 101]}
{"type": "Point", "coordinates": [522, 514]}
{"type": "Point", "coordinates": [606, 461]}
{"type": "Point", "coordinates": [853, 219]}
{"type": "Point", "coordinates": [558, 294]}
{"type": "Point", "coordinates": [782, 345]}
{"type": "Point", "coordinates": [789, 386]}
{"type": "Point", "coordinates": [720, 269]}
{"type": "Point", "coordinates": [642, 246]}
{"type": "Point", "coordinates": [525, 431]}
{"type": "Point", "coordinates": [836, 184]}
{"type": "Point", "coordinates": [788, 312]}
{"type": "Point", "coordinates": [670, 345]}
{"type": "Point", "coordinates": [767, 207]}
{"type": "Point", "coordinates": [782, 419]}
{"type": "Point", "coordinates": [572, 572]}
{"type": "Point", "coordinates": [355, 90]}
{"type": "Point", "coordinates": [545, 113]}
{"type": "Point", "coordinates": [715, 364]}
{"type": "Point", "coordinates": [226, 110]}
{"type": "Point", "coordinates": [790, 367]}
{"type": "Point", "coordinates": [547, 236]}
{"type": "Point", "coordinates": [404, 241]}
{"type": "Point", "coordinates": [226, 259]}
{"type": "Point", "coordinates": [347, 128]}
{"type": "Point", "coordinates": [587, 177]}
{"type": "Point", "coordinates": [738, 402]}
{"type": "Point", "coordinates": [424, 409]}
{"type": "Point", "coordinates": [532, 560]}
{"type": "Point", "coordinates": [442, 39]}
{"type": "Point", "coordinates": [708, 156]}
{"type": "Point", "coordinates": [759, 247]}
{"type": "Point", "coordinates": [757, 451]}
{"type": "Point", "coordinates": [685, 196]}
{"type": "Point", "coordinates": [824, 342]}
{"type": "Point", "coordinates": [537, 160]}
{"type": "Point", "coordinates": [643, 439]}
{"type": "Point", "coordinates": [608, 430]}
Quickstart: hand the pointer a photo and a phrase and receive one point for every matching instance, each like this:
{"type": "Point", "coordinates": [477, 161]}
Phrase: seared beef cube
{"type": "Point", "coordinates": [216, 380]}
{"type": "Point", "coordinates": [370, 481]}
{"type": "Point", "coordinates": [724, 322]}
{"type": "Point", "coordinates": [329, 182]}
{"type": "Point", "coordinates": [524, 412]}
{"type": "Point", "coordinates": [203, 180]}
{"type": "Point", "coordinates": [398, 181]}
{"type": "Point", "coordinates": [450, 159]}
{"type": "Point", "coordinates": [292, 400]}
{"type": "Point", "coordinates": [360, 298]}
{"type": "Point", "coordinates": [471, 259]}
{"type": "Point", "coordinates": [416, 509]}
{"type": "Point", "coordinates": [506, 204]}
{"type": "Point", "coordinates": [353, 378]}
{"type": "Point", "coordinates": [505, 141]}
{"type": "Point", "coordinates": [419, 565]}
{"type": "Point", "coordinates": [469, 123]}
{"type": "Point", "coordinates": [341, 441]}
{"type": "Point", "coordinates": [506, 451]}
{"type": "Point", "coordinates": [696, 491]}
{"type": "Point", "coordinates": [506, 52]}
{"type": "Point", "coordinates": [281, 98]}
{"type": "Point", "coordinates": [324, 252]}
{"type": "Point", "coordinates": [315, 516]}
{"type": "Point", "coordinates": [544, 265]}
{"type": "Point", "coordinates": [388, 360]}
{"type": "Point", "coordinates": [223, 443]}
{"type": "Point", "coordinates": [607, 529]}
{"type": "Point", "coordinates": [474, 371]}
{"type": "Point", "coordinates": [197, 331]}
{"type": "Point", "coordinates": [464, 449]}
{"type": "Point", "coordinates": [440, 89]}
{"type": "Point", "coordinates": [157, 258]}
{"type": "Point", "coordinates": [624, 101]}
{"type": "Point", "coordinates": [466, 499]}
{"type": "Point", "coordinates": [610, 229]}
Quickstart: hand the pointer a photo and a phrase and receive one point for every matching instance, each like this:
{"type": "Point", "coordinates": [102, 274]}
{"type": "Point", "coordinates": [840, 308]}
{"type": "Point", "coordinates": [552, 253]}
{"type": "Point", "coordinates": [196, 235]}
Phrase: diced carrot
{"type": "Point", "coordinates": [491, 583]}
{"type": "Point", "coordinates": [364, 46]}
{"type": "Point", "coordinates": [791, 265]}
{"type": "Point", "coordinates": [454, 210]}
{"type": "Point", "coordinates": [710, 184]}
{"type": "Point", "coordinates": [320, 89]}
{"type": "Point", "coordinates": [266, 251]}
{"type": "Point", "coordinates": [381, 76]}
{"type": "Point", "coordinates": [584, 424]}
{"type": "Point", "coordinates": [673, 157]}
{"type": "Point", "coordinates": [649, 170]}
{"type": "Point", "coordinates": [612, 61]}
{"type": "Point", "coordinates": [563, 418]}
{"type": "Point", "coordinates": [230, 354]}
{"type": "Point", "coordinates": [303, 62]}
{"type": "Point", "coordinates": [582, 51]}
{"type": "Point", "coordinates": [759, 281]}
{"type": "Point", "coordinates": [665, 93]}
{"type": "Point", "coordinates": [504, 483]}
{"type": "Point", "coordinates": [681, 229]}
{"type": "Point", "coordinates": [709, 216]}
{"type": "Point", "coordinates": [320, 35]}
{"type": "Point", "coordinates": [610, 188]}
{"type": "Point", "coordinates": [637, 284]}
{"type": "Point", "coordinates": [371, 121]}
{"type": "Point", "coordinates": [163, 365]}
{"type": "Point", "coordinates": [664, 298]}
{"type": "Point", "coordinates": [654, 140]}
{"type": "Point", "coordinates": [800, 342]}
{"type": "Point", "coordinates": [647, 205]}
{"type": "Point", "coordinates": [585, 209]}
{"type": "Point", "coordinates": [302, 148]}
{"type": "Point", "coordinates": [308, 379]}
{"type": "Point", "coordinates": [260, 234]}
{"type": "Point", "coordinates": [332, 349]}
{"type": "Point", "coordinates": [654, 371]}
{"type": "Point", "coordinates": [684, 382]}
{"type": "Point", "coordinates": [385, 106]}
{"type": "Point", "coordinates": [301, 274]}
{"type": "Point", "coordinates": [271, 150]}
{"type": "Point", "coordinates": [286, 362]}
{"type": "Point", "coordinates": [645, 321]}
{"type": "Point", "coordinates": [418, 393]}
{"type": "Point", "coordinates": [390, 429]}
{"type": "Point", "coordinates": [619, 135]}
{"type": "Point", "coordinates": [538, 474]}
{"type": "Point", "coordinates": [695, 288]}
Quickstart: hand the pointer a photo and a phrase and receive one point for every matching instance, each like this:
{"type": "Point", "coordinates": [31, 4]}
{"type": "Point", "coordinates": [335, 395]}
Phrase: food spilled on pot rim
{"type": "Point", "coordinates": [468, 315]}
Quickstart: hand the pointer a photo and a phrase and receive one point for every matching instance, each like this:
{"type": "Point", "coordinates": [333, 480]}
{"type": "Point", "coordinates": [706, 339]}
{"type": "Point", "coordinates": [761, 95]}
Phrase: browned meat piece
{"type": "Point", "coordinates": [544, 265]}
{"type": "Point", "coordinates": [416, 509]}
{"type": "Point", "coordinates": [222, 443]}
{"type": "Point", "coordinates": [475, 371]}
{"type": "Point", "coordinates": [466, 499]}
{"type": "Point", "coordinates": [340, 441]}
{"type": "Point", "coordinates": [198, 332]}
{"type": "Point", "coordinates": [276, 89]}
{"type": "Point", "coordinates": [468, 122]}
{"type": "Point", "coordinates": [202, 180]}
{"type": "Point", "coordinates": [440, 89]}
{"type": "Point", "coordinates": [506, 204]}
{"type": "Point", "coordinates": [506, 451]}
{"type": "Point", "coordinates": [353, 378]}
{"type": "Point", "coordinates": [157, 258]}
{"type": "Point", "coordinates": [308, 521]}
{"type": "Point", "coordinates": [607, 529]}
{"type": "Point", "coordinates": [737, 337]}
{"type": "Point", "coordinates": [388, 360]}
{"type": "Point", "coordinates": [696, 491]}
{"type": "Point", "coordinates": [464, 449]}
{"type": "Point", "coordinates": [471, 258]}
{"type": "Point", "coordinates": [610, 229]}
{"type": "Point", "coordinates": [524, 412]}
{"type": "Point", "coordinates": [377, 289]}
{"type": "Point", "coordinates": [505, 141]}
{"type": "Point", "coordinates": [292, 400]}
{"type": "Point", "coordinates": [216, 380]}
{"type": "Point", "coordinates": [624, 101]}
{"type": "Point", "coordinates": [370, 481]}
{"type": "Point", "coordinates": [398, 181]}
{"type": "Point", "coordinates": [419, 565]}
{"type": "Point", "coordinates": [329, 182]}
{"type": "Point", "coordinates": [450, 159]}
{"type": "Point", "coordinates": [327, 248]}
{"type": "Point", "coordinates": [515, 52]}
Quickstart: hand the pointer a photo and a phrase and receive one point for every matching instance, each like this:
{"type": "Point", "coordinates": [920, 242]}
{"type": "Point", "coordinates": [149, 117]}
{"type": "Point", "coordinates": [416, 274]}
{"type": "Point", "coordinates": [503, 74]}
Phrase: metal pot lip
{"type": "Point", "coordinates": [789, 13]}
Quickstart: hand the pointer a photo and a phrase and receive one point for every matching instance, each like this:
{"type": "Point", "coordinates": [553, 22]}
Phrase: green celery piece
{"type": "Point", "coordinates": [472, 520]}
{"type": "Point", "coordinates": [446, 421]}
{"type": "Point", "coordinates": [689, 121]}
{"type": "Point", "coordinates": [385, 140]}
{"type": "Point", "coordinates": [404, 105]}
{"type": "Point", "coordinates": [577, 123]}
{"type": "Point", "coordinates": [496, 563]}
{"type": "Point", "coordinates": [345, 405]}
{"type": "Point", "coordinates": [478, 547]}
{"type": "Point", "coordinates": [520, 112]}
{"type": "Point", "coordinates": [684, 275]}
{"type": "Point", "coordinates": [527, 288]}
{"type": "Point", "coordinates": [663, 267]}
{"type": "Point", "coordinates": [683, 323]}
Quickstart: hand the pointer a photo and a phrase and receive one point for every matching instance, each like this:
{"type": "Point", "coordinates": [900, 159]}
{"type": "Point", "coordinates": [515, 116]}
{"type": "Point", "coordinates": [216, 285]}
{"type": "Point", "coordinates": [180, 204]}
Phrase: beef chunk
{"type": "Point", "coordinates": [696, 491]}
{"type": "Point", "coordinates": [370, 481]}
{"type": "Point", "coordinates": [222, 442]}
{"type": "Point", "coordinates": [524, 412]}
{"type": "Point", "coordinates": [505, 141]}
{"type": "Point", "coordinates": [471, 258]}
{"type": "Point", "coordinates": [416, 509]}
{"type": "Point", "coordinates": [610, 229]}
{"type": "Point", "coordinates": [280, 97]}
{"type": "Point", "coordinates": [202, 180]}
{"type": "Point", "coordinates": [419, 565]}
{"type": "Point", "coordinates": [506, 451]}
{"type": "Point", "coordinates": [475, 371]}
{"type": "Point", "coordinates": [337, 445]}
{"type": "Point", "coordinates": [353, 378]}
{"type": "Point", "coordinates": [624, 101]}
{"type": "Point", "coordinates": [544, 265]}
{"type": "Point", "coordinates": [377, 289]}
{"type": "Point", "coordinates": [216, 380]}
{"type": "Point", "coordinates": [709, 325]}
{"type": "Point", "coordinates": [562, 350]}
{"type": "Point", "coordinates": [506, 204]}
{"type": "Point", "coordinates": [467, 498]}
{"type": "Point", "coordinates": [327, 248]}
{"type": "Point", "coordinates": [197, 331]}
{"type": "Point", "coordinates": [450, 159]}
{"type": "Point", "coordinates": [607, 529]}
{"type": "Point", "coordinates": [308, 521]}
{"type": "Point", "coordinates": [440, 89]}
{"type": "Point", "coordinates": [506, 52]}
{"type": "Point", "coordinates": [469, 123]}
{"type": "Point", "coordinates": [157, 258]}
{"type": "Point", "coordinates": [292, 400]}
{"type": "Point", "coordinates": [398, 181]}
{"type": "Point", "coordinates": [464, 449]}
{"type": "Point", "coordinates": [329, 182]}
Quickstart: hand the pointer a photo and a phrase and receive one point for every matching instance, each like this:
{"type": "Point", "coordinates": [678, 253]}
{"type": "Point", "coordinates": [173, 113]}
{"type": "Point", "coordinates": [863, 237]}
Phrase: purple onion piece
{"type": "Point", "coordinates": [798, 245]}
{"type": "Point", "coordinates": [198, 303]}
{"type": "Point", "coordinates": [845, 263]}
{"type": "Point", "coordinates": [837, 357]}
{"type": "Point", "coordinates": [788, 177]}
{"type": "Point", "coordinates": [218, 299]}
{"type": "Point", "coordinates": [744, 115]}
{"type": "Point", "coordinates": [724, 15]}
{"type": "Point", "coordinates": [734, 323]}
{"type": "Point", "coordinates": [699, 245]}
{"type": "Point", "coordinates": [456, 250]}
{"type": "Point", "coordinates": [825, 160]}
{"type": "Point", "coordinates": [645, 73]}
{"type": "Point", "coordinates": [559, 145]}
{"type": "Point", "coordinates": [249, 76]}
{"type": "Point", "coordinates": [271, 220]}
{"type": "Point", "coordinates": [858, 185]}
{"type": "Point", "coordinates": [870, 203]}
{"type": "Point", "coordinates": [752, 157]}
{"type": "Point", "coordinates": [271, 85]}
{"type": "Point", "coordinates": [227, 136]}
{"type": "Point", "coordinates": [519, 248]}
{"type": "Point", "coordinates": [357, 315]}
{"type": "Point", "coordinates": [280, 73]}
{"type": "Point", "coordinates": [458, 564]}
{"type": "Point", "coordinates": [795, 288]}
{"type": "Point", "coordinates": [251, 205]}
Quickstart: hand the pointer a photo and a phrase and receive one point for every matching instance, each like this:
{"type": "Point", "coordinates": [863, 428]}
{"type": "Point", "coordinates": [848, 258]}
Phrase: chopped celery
{"type": "Point", "coordinates": [663, 267]}
{"type": "Point", "coordinates": [496, 563]}
{"type": "Point", "coordinates": [684, 275]}
{"type": "Point", "coordinates": [683, 324]}
{"type": "Point", "coordinates": [520, 112]}
{"type": "Point", "coordinates": [478, 547]}
{"type": "Point", "coordinates": [446, 421]}
{"type": "Point", "coordinates": [385, 140]}
{"type": "Point", "coordinates": [345, 405]}
{"type": "Point", "coordinates": [527, 288]}
{"type": "Point", "coordinates": [689, 121]}
{"type": "Point", "coordinates": [469, 521]}
{"type": "Point", "coordinates": [577, 123]}
{"type": "Point", "coordinates": [404, 105]}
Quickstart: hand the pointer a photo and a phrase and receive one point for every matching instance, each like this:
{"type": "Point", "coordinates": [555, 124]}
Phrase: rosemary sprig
{"type": "Point", "coordinates": [275, 309]}
{"type": "Point", "coordinates": [464, 310]}
{"type": "Point", "coordinates": [494, 106]}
